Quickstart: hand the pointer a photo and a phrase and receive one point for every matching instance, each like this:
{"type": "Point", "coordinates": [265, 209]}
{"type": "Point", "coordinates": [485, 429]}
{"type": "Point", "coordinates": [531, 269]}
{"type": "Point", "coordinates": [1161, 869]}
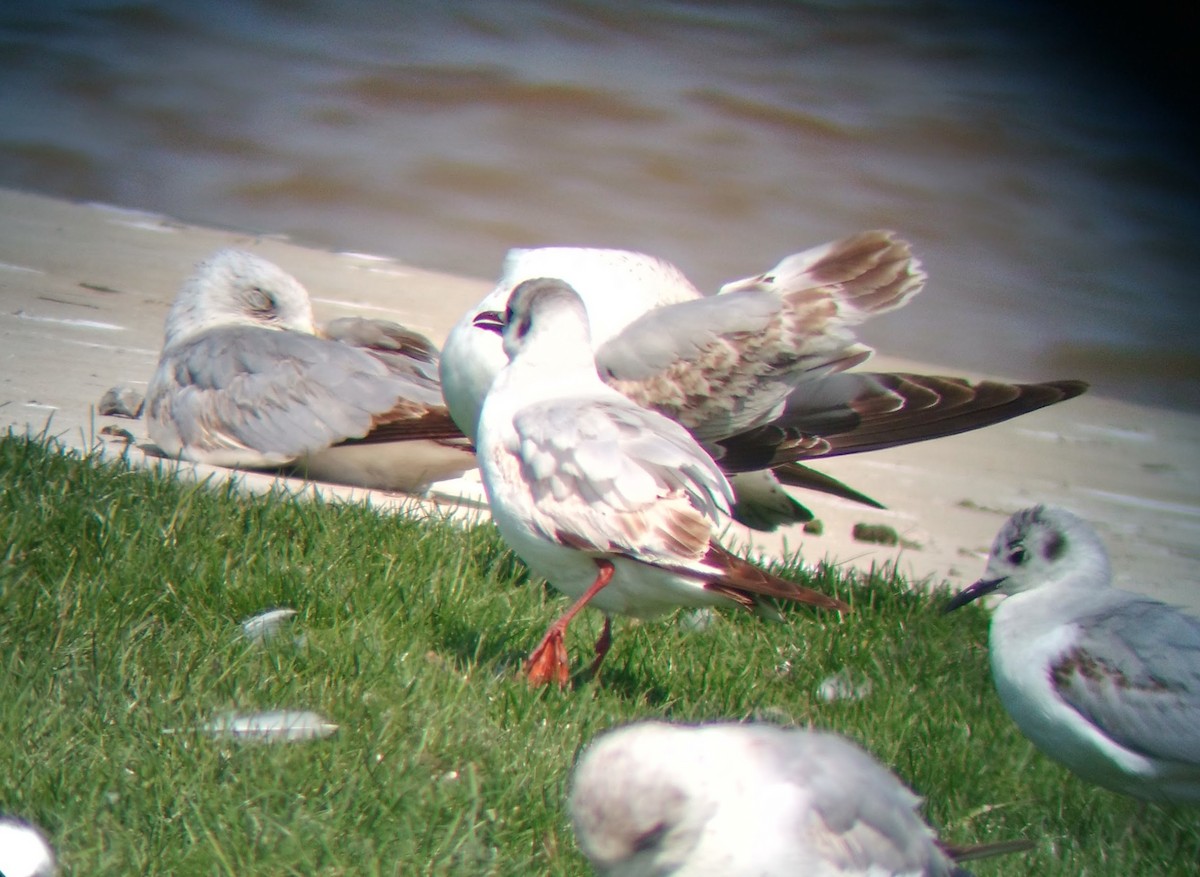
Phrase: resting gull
{"type": "Point", "coordinates": [246, 380]}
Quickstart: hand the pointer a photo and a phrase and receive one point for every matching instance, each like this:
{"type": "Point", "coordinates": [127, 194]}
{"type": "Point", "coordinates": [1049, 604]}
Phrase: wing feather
{"type": "Point", "coordinates": [265, 397]}
{"type": "Point", "coordinates": [864, 411]}
{"type": "Point", "coordinates": [1136, 674]}
{"type": "Point", "coordinates": [723, 364]}
{"type": "Point", "coordinates": [619, 478]}
{"type": "Point", "coordinates": [866, 819]}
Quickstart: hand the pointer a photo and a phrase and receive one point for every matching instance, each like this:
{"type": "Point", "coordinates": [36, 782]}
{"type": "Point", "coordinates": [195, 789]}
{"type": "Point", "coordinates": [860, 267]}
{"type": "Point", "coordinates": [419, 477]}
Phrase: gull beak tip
{"type": "Point", "coordinates": [971, 593]}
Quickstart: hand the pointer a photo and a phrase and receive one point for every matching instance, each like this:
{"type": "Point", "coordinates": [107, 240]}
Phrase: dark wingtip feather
{"type": "Point", "coordinates": [744, 582]}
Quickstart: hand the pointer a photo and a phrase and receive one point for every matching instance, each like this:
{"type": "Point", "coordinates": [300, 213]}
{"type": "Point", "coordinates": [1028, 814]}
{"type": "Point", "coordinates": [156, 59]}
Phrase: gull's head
{"type": "Point", "coordinates": [633, 803]}
{"type": "Point", "coordinates": [24, 852]}
{"type": "Point", "coordinates": [544, 307]}
{"type": "Point", "coordinates": [236, 288]}
{"type": "Point", "coordinates": [1040, 547]}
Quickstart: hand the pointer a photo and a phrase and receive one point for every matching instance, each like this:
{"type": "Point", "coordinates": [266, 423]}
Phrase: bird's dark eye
{"type": "Point", "coordinates": [1016, 555]}
{"type": "Point", "coordinates": [649, 839]}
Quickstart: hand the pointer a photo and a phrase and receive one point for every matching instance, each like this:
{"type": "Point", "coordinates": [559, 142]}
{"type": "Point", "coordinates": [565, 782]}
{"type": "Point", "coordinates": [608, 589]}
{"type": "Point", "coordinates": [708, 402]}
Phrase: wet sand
{"type": "Point", "coordinates": [84, 290]}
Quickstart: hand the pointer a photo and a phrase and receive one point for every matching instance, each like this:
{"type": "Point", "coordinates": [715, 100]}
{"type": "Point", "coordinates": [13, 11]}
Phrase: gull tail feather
{"type": "Point", "coordinates": [746, 583]}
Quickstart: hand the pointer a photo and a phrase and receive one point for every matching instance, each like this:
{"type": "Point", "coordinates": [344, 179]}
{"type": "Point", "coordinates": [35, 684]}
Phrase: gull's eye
{"type": "Point", "coordinates": [1016, 555]}
{"type": "Point", "coordinates": [649, 839]}
{"type": "Point", "coordinates": [260, 304]}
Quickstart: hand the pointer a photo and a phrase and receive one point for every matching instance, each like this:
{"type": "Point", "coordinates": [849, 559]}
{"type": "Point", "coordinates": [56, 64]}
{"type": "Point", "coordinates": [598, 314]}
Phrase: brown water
{"type": "Point", "coordinates": [1053, 196]}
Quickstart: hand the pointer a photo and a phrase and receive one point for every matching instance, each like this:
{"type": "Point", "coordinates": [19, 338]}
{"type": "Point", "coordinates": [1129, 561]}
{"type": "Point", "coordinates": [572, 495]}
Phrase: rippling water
{"type": "Point", "coordinates": [1054, 197]}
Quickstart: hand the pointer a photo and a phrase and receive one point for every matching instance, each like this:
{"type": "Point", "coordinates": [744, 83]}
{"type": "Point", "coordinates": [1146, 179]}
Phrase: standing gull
{"type": "Point", "coordinates": [1105, 681]}
{"type": "Point", "coordinates": [758, 373]}
{"type": "Point", "coordinates": [246, 380]}
{"type": "Point", "coordinates": [611, 502]}
{"type": "Point", "coordinates": [734, 800]}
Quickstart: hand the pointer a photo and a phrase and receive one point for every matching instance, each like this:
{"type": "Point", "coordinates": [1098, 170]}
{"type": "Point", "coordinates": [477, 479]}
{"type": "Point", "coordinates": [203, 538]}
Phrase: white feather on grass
{"type": "Point", "coordinates": [265, 625]}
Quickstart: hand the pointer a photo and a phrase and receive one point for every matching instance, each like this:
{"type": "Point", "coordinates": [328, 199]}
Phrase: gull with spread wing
{"type": "Point", "coordinates": [1104, 681]}
{"type": "Point", "coordinates": [758, 373]}
{"type": "Point", "coordinates": [246, 380]}
{"type": "Point", "coordinates": [737, 800]}
{"type": "Point", "coordinates": [611, 502]}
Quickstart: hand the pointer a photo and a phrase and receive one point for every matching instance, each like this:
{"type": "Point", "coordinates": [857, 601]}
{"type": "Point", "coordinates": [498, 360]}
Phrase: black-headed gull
{"type": "Point", "coordinates": [24, 850]}
{"type": "Point", "coordinates": [245, 380]}
{"type": "Point", "coordinates": [757, 373]}
{"type": "Point", "coordinates": [737, 800]}
{"type": "Point", "coordinates": [1104, 681]}
{"type": "Point", "coordinates": [611, 502]}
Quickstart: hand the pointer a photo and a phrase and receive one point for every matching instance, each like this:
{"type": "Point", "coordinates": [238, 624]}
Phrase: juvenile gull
{"type": "Point", "coordinates": [758, 373]}
{"type": "Point", "coordinates": [736, 800]}
{"type": "Point", "coordinates": [1105, 681]}
{"type": "Point", "coordinates": [246, 380]}
{"type": "Point", "coordinates": [611, 502]}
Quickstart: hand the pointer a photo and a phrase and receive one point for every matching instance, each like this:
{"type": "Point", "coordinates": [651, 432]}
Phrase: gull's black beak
{"type": "Point", "coordinates": [493, 321]}
{"type": "Point", "coordinates": [972, 592]}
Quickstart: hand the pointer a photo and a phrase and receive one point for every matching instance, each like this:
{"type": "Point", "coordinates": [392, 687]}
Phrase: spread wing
{"type": "Point", "coordinates": [256, 397]}
{"type": "Point", "coordinates": [723, 364]}
{"type": "Point", "coordinates": [1135, 673]}
{"type": "Point", "coordinates": [615, 478]}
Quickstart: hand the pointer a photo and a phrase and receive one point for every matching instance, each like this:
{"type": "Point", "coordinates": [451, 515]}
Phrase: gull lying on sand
{"type": "Point", "coordinates": [24, 852]}
{"type": "Point", "coordinates": [733, 800]}
{"type": "Point", "coordinates": [245, 380]}
{"type": "Point", "coordinates": [611, 502]}
{"type": "Point", "coordinates": [758, 373]}
{"type": "Point", "coordinates": [1105, 681]}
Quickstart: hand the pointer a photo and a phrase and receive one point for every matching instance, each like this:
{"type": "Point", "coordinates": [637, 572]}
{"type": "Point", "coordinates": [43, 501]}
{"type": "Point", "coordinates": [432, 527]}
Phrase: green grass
{"type": "Point", "coordinates": [121, 596]}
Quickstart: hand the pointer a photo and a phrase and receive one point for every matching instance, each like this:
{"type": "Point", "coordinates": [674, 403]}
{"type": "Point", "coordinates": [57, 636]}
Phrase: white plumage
{"type": "Point", "coordinates": [24, 850]}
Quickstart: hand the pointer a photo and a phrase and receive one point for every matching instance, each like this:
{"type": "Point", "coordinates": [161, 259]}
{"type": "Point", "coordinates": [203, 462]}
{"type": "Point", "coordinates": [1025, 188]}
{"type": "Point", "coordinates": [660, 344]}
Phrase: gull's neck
{"type": "Point", "coordinates": [554, 359]}
{"type": "Point", "coordinates": [189, 316]}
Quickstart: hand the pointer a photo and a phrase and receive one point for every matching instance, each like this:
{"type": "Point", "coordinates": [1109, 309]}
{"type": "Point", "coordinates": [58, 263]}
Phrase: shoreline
{"type": "Point", "coordinates": [84, 289]}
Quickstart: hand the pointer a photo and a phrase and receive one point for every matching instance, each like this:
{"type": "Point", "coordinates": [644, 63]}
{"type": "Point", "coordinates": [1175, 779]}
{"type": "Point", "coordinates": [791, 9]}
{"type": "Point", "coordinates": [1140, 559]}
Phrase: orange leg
{"type": "Point", "coordinates": [548, 662]}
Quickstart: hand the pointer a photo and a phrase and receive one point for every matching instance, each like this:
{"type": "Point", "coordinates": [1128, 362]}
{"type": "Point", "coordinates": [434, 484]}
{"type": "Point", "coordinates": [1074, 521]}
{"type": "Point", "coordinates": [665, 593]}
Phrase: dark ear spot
{"type": "Point", "coordinates": [1055, 545]}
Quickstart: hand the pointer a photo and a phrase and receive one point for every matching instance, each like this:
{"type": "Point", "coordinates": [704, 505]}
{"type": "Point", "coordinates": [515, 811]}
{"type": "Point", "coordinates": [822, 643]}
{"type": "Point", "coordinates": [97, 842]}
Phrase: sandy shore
{"type": "Point", "coordinates": [84, 290]}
